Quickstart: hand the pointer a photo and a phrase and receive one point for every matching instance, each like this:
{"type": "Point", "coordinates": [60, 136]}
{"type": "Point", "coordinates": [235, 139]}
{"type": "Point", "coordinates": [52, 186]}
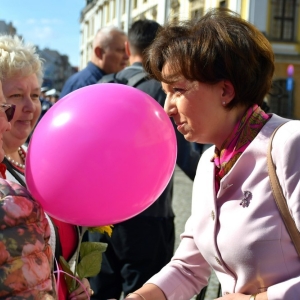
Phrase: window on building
{"type": "Point", "coordinates": [278, 98]}
{"type": "Point", "coordinates": [134, 4]}
{"type": "Point", "coordinates": [91, 33]}
{"type": "Point", "coordinates": [283, 20]}
{"type": "Point", "coordinates": [87, 27]}
{"type": "Point", "coordinates": [196, 9]}
{"type": "Point", "coordinates": [123, 7]}
{"type": "Point", "coordinates": [197, 13]}
{"type": "Point", "coordinates": [154, 13]}
{"type": "Point", "coordinates": [107, 8]}
{"type": "Point", "coordinates": [223, 4]}
{"type": "Point", "coordinates": [174, 11]}
{"type": "Point", "coordinates": [114, 8]}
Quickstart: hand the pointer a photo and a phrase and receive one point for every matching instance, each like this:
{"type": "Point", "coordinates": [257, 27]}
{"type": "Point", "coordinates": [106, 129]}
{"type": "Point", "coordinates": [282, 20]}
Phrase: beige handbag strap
{"type": "Point", "coordinates": [280, 199]}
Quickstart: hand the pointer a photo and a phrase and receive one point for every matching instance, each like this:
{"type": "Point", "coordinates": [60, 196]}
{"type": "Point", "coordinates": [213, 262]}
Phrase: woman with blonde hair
{"type": "Point", "coordinates": [22, 75]}
{"type": "Point", "coordinates": [25, 254]}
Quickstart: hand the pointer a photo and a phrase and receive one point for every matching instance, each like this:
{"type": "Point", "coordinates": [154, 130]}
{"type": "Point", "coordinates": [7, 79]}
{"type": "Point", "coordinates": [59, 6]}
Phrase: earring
{"type": "Point", "coordinates": [224, 103]}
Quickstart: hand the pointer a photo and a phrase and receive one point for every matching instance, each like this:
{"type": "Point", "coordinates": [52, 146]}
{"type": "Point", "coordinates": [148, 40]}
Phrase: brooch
{"type": "Point", "coordinates": [246, 200]}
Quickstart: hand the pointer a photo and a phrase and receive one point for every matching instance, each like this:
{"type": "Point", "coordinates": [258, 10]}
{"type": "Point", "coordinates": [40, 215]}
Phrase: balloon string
{"type": "Point", "coordinates": [57, 276]}
{"type": "Point", "coordinates": [58, 272]}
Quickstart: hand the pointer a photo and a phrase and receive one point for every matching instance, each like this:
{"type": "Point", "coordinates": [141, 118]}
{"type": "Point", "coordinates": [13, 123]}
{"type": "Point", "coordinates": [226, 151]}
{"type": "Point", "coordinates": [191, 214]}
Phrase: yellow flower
{"type": "Point", "coordinates": [102, 229]}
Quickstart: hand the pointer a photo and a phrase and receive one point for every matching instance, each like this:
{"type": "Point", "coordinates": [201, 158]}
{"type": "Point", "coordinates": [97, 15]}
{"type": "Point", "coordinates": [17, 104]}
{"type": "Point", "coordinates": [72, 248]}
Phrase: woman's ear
{"type": "Point", "coordinates": [228, 92]}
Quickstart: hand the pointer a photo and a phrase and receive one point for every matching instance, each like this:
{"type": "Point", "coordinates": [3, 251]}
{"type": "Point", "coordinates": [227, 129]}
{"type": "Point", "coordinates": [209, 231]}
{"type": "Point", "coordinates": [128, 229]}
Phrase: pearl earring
{"type": "Point", "coordinates": [224, 103]}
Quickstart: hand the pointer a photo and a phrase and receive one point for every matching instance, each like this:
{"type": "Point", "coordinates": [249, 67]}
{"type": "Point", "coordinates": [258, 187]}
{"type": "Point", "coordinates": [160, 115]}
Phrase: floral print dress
{"type": "Point", "coordinates": [25, 255]}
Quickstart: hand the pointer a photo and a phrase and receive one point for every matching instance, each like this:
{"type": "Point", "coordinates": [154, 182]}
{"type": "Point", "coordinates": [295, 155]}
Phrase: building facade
{"type": "Point", "coordinates": [57, 68]}
{"type": "Point", "coordinates": [279, 20]}
{"type": "Point", "coordinates": [7, 28]}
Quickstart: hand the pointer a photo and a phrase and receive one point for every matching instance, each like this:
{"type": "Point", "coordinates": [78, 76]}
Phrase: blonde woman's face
{"type": "Point", "coordinates": [24, 92]}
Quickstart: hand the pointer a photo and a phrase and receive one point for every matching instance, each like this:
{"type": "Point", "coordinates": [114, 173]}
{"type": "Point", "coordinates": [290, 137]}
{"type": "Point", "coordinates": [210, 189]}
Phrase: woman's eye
{"type": "Point", "coordinates": [178, 90]}
{"type": "Point", "coordinates": [15, 96]}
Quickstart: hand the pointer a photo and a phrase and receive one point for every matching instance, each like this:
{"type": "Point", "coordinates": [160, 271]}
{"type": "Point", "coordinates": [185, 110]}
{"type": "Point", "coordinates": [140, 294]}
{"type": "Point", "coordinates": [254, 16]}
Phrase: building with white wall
{"type": "Point", "coordinates": [279, 20]}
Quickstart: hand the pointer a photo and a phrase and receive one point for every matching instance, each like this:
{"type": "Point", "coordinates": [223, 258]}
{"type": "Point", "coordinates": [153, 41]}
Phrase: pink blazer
{"type": "Point", "coordinates": [248, 247]}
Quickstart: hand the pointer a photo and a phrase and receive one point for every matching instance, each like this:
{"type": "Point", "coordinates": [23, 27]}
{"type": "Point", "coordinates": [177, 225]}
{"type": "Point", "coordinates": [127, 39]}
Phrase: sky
{"type": "Point", "coordinates": [52, 24]}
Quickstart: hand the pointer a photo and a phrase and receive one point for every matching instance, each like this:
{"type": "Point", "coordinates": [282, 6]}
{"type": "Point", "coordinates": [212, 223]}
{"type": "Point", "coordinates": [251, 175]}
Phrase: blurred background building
{"type": "Point", "coordinates": [279, 20]}
{"type": "Point", "coordinates": [7, 28]}
{"type": "Point", "coordinates": [57, 68]}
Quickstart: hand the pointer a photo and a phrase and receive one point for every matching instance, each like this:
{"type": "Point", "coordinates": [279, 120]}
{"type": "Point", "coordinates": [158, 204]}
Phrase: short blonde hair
{"type": "Point", "coordinates": [19, 59]}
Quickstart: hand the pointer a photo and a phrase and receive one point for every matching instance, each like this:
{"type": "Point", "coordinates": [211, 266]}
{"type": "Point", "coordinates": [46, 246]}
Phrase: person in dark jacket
{"type": "Point", "coordinates": [142, 245]}
{"type": "Point", "coordinates": [108, 56]}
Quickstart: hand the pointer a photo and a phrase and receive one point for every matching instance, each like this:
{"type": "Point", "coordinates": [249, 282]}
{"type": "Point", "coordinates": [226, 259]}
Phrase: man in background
{"type": "Point", "coordinates": [142, 245]}
{"type": "Point", "coordinates": [108, 56]}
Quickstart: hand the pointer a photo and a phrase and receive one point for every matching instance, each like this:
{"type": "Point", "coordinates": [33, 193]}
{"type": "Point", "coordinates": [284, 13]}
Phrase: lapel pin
{"type": "Point", "coordinates": [246, 200]}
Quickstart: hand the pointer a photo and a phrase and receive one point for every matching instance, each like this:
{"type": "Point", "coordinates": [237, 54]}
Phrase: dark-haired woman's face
{"type": "Point", "coordinates": [197, 108]}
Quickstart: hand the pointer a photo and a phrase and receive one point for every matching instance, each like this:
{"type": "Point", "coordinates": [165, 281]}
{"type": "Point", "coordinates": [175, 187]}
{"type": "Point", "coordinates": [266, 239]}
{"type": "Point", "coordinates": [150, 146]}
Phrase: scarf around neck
{"type": "Point", "coordinates": [242, 135]}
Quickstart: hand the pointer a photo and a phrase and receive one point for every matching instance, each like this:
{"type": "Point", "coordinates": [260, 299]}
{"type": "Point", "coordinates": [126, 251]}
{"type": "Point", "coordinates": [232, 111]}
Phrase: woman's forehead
{"type": "Point", "coordinates": [171, 73]}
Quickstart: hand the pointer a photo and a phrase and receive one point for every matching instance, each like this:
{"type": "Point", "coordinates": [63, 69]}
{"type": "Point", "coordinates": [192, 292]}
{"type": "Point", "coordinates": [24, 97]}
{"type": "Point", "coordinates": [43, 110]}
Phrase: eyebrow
{"type": "Point", "coordinates": [35, 89]}
{"type": "Point", "coordinates": [171, 78]}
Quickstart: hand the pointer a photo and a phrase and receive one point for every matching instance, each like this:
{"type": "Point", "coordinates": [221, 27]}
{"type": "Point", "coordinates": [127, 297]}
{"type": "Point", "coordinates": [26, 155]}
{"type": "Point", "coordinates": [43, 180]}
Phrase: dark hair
{"type": "Point", "coordinates": [141, 34]}
{"type": "Point", "coordinates": [218, 46]}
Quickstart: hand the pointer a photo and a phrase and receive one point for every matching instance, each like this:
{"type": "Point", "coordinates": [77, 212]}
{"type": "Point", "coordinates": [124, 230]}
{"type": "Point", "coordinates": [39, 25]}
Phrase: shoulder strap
{"type": "Point", "coordinates": [107, 78]}
{"type": "Point", "coordinates": [12, 171]}
{"type": "Point", "coordinates": [132, 81]}
{"type": "Point", "coordinates": [280, 199]}
{"type": "Point", "coordinates": [112, 78]}
{"type": "Point", "coordinates": [137, 79]}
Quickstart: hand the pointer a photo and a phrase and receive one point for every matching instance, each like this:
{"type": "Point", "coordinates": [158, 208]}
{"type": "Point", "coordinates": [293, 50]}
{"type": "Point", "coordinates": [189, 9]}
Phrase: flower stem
{"type": "Point", "coordinates": [81, 233]}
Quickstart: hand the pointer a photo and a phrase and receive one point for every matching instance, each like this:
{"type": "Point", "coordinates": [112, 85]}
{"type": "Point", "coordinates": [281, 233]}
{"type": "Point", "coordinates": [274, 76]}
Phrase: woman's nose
{"type": "Point", "coordinates": [29, 105]}
{"type": "Point", "coordinates": [169, 106]}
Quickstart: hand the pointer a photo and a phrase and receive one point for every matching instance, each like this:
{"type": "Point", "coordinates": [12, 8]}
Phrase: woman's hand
{"type": "Point", "coordinates": [149, 291]}
{"type": "Point", "coordinates": [235, 296]}
{"type": "Point", "coordinates": [239, 296]}
{"type": "Point", "coordinates": [80, 293]}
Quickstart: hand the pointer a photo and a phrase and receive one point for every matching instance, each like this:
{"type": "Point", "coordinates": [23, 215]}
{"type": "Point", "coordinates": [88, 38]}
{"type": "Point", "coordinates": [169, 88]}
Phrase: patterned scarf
{"type": "Point", "coordinates": [242, 135]}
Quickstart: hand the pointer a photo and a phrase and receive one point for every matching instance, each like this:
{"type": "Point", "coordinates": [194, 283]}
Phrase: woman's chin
{"type": "Point", "coordinates": [189, 137]}
{"type": "Point", "coordinates": [21, 137]}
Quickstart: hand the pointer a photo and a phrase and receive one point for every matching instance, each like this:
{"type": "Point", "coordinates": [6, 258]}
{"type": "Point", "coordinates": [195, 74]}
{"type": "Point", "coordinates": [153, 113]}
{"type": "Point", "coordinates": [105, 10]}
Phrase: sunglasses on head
{"type": "Point", "coordinates": [9, 110]}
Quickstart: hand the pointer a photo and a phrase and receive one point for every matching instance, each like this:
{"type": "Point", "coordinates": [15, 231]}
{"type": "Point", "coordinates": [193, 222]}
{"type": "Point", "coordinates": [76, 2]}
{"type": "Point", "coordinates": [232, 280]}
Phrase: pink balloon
{"type": "Point", "coordinates": [101, 155]}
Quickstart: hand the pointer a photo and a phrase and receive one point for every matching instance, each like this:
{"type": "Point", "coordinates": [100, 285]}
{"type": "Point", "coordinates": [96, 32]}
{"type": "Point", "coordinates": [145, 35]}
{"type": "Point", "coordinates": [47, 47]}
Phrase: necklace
{"type": "Point", "coordinates": [22, 155]}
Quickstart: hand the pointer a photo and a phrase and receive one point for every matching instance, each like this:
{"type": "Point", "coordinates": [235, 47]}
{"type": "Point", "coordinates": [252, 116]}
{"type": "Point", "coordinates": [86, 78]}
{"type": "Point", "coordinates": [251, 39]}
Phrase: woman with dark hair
{"type": "Point", "coordinates": [216, 72]}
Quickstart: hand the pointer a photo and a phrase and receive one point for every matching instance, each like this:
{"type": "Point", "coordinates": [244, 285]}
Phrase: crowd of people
{"type": "Point", "coordinates": [211, 75]}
